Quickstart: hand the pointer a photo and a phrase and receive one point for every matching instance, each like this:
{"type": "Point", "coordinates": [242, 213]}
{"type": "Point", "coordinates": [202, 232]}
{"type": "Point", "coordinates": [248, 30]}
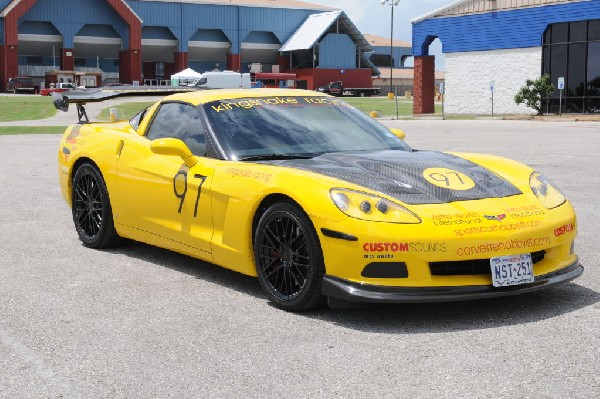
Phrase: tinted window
{"type": "Point", "coordinates": [572, 50]}
{"type": "Point", "coordinates": [593, 106]}
{"type": "Point", "coordinates": [548, 35]}
{"type": "Point", "coordinates": [558, 64]}
{"type": "Point", "coordinates": [576, 76]}
{"type": "Point", "coordinates": [296, 126]}
{"type": "Point", "coordinates": [578, 31]}
{"type": "Point", "coordinates": [381, 60]}
{"type": "Point", "coordinates": [180, 121]}
{"type": "Point", "coordinates": [560, 33]}
{"type": "Point", "coordinates": [594, 30]}
{"type": "Point", "coordinates": [546, 59]}
{"type": "Point", "coordinates": [593, 75]}
{"type": "Point", "coordinates": [137, 119]}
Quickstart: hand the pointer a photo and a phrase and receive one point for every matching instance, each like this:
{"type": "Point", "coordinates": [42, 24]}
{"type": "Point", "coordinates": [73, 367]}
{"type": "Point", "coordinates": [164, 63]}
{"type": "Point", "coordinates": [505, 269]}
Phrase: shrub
{"type": "Point", "coordinates": [534, 92]}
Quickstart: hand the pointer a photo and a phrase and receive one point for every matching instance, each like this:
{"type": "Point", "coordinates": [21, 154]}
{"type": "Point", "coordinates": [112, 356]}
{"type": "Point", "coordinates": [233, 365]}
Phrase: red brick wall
{"type": "Point", "coordinates": [9, 64]}
{"type": "Point", "coordinates": [2, 74]}
{"type": "Point", "coordinates": [130, 66]}
{"type": "Point", "coordinates": [424, 85]}
{"type": "Point", "coordinates": [234, 62]}
{"type": "Point", "coordinates": [284, 63]}
{"type": "Point", "coordinates": [9, 55]}
{"type": "Point", "coordinates": [169, 70]}
{"type": "Point", "coordinates": [319, 77]}
{"type": "Point", "coordinates": [67, 62]}
{"type": "Point", "coordinates": [149, 69]}
{"type": "Point", "coordinates": [181, 61]}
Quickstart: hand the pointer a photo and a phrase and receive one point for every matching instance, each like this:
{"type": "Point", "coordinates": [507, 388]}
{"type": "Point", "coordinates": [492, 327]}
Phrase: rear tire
{"type": "Point", "coordinates": [92, 213]}
{"type": "Point", "coordinates": [288, 258]}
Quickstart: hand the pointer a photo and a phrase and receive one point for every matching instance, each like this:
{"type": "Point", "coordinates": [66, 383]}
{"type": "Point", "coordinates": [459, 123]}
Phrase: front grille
{"type": "Point", "coordinates": [471, 267]}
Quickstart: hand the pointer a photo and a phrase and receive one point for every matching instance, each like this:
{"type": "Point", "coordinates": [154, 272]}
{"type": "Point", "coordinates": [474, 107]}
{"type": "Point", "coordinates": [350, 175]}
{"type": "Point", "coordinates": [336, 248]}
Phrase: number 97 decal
{"type": "Point", "coordinates": [180, 188]}
{"type": "Point", "coordinates": [448, 178]}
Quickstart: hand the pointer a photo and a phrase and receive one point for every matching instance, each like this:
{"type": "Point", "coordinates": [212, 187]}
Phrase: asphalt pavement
{"type": "Point", "coordinates": [141, 322]}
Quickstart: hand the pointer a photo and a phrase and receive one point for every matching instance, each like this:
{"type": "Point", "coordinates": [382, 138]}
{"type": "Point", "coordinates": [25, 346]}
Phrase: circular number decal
{"type": "Point", "coordinates": [448, 178]}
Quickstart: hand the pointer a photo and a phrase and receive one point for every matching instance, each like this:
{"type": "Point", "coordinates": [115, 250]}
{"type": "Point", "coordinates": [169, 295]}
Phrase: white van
{"type": "Point", "coordinates": [223, 80]}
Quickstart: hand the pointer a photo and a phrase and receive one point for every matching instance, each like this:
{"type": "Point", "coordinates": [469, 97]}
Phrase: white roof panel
{"type": "Point", "coordinates": [310, 31]}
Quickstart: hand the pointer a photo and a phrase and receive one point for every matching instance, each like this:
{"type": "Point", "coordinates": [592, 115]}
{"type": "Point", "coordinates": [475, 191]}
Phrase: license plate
{"type": "Point", "coordinates": [511, 270]}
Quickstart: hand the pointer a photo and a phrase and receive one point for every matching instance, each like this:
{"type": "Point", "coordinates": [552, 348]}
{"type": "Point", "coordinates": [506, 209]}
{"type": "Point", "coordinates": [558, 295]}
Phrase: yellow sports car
{"type": "Point", "coordinates": [316, 199]}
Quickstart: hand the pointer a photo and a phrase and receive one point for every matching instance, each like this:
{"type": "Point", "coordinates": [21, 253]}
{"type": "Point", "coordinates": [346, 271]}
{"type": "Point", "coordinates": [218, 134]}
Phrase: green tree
{"type": "Point", "coordinates": [534, 92]}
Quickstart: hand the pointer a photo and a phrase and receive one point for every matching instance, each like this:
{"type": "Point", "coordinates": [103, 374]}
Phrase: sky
{"type": "Point", "coordinates": [370, 16]}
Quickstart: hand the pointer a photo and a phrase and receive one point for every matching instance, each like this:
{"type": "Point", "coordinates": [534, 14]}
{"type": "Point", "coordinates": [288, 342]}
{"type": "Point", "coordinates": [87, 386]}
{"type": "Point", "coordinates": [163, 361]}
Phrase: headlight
{"type": "Point", "coordinates": [371, 207]}
{"type": "Point", "coordinates": [548, 194]}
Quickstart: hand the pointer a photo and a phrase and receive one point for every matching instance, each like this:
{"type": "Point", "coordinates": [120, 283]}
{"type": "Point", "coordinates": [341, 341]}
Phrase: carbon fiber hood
{"type": "Point", "coordinates": [400, 174]}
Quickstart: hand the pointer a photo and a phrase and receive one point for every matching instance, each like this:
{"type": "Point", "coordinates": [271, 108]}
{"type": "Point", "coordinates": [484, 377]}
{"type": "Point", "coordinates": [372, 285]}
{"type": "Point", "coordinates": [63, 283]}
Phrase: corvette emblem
{"type": "Point", "coordinates": [495, 217]}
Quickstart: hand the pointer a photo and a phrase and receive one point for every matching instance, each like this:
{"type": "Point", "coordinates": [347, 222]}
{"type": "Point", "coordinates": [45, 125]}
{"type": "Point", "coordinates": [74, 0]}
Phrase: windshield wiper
{"type": "Point", "coordinates": [273, 157]}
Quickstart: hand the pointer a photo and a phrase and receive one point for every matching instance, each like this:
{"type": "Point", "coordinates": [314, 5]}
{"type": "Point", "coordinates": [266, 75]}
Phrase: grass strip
{"type": "Point", "coordinates": [22, 108]}
{"type": "Point", "coordinates": [386, 107]}
{"type": "Point", "coordinates": [11, 130]}
{"type": "Point", "coordinates": [126, 110]}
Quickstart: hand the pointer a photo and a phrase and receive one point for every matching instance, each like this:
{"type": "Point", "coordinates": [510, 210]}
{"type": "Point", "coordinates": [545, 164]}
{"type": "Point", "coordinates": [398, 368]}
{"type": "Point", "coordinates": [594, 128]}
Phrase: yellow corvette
{"type": "Point", "coordinates": [317, 200]}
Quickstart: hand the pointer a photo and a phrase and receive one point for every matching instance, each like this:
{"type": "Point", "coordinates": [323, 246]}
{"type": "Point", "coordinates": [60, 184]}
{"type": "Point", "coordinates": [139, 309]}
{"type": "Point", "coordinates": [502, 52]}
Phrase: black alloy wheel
{"type": "Point", "coordinates": [288, 257]}
{"type": "Point", "coordinates": [91, 209]}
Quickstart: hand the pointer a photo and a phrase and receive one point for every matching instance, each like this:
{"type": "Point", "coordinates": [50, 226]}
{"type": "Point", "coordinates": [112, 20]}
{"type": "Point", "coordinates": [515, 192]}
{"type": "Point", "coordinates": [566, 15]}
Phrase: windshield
{"type": "Point", "coordinates": [251, 128]}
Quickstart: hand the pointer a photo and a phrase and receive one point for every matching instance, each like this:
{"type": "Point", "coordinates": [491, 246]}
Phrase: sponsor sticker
{"type": "Point", "coordinates": [492, 247]}
{"type": "Point", "coordinates": [228, 105]}
{"type": "Point", "coordinates": [448, 178]}
{"type": "Point", "coordinates": [562, 230]}
{"type": "Point", "coordinates": [498, 218]}
{"type": "Point", "coordinates": [251, 174]}
{"type": "Point", "coordinates": [404, 247]}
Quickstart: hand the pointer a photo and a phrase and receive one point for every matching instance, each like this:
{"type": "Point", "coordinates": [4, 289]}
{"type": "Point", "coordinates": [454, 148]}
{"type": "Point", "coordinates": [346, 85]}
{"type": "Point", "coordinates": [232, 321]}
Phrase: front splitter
{"type": "Point", "coordinates": [356, 292]}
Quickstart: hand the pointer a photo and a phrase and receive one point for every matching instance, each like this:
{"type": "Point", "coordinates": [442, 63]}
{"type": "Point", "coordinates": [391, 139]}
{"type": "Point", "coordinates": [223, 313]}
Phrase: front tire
{"type": "Point", "coordinates": [92, 213]}
{"type": "Point", "coordinates": [288, 258]}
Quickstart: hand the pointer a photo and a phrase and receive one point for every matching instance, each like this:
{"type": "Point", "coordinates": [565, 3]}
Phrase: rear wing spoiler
{"type": "Point", "coordinates": [80, 97]}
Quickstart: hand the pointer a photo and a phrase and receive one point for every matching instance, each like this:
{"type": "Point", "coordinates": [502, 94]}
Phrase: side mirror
{"type": "Point", "coordinates": [174, 147]}
{"type": "Point", "coordinates": [399, 133]}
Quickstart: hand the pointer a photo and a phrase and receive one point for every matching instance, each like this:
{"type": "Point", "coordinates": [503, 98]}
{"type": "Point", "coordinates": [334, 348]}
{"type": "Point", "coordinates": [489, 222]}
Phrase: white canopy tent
{"type": "Point", "coordinates": [184, 77]}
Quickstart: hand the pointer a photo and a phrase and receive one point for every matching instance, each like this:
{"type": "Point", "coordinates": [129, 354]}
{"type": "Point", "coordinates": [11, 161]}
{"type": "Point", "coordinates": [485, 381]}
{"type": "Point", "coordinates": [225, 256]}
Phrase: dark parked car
{"type": "Point", "coordinates": [20, 84]}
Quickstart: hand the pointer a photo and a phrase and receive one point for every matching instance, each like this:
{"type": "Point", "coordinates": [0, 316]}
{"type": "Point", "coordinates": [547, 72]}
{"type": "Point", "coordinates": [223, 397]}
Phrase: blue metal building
{"type": "Point", "coordinates": [132, 40]}
{"type": "Point", "coordinates": [494, 46]}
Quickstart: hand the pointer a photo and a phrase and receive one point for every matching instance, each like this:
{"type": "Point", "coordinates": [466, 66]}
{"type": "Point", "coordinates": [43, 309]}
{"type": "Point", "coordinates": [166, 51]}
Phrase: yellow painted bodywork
{"type": "Point", "coordinates": [214, 220]}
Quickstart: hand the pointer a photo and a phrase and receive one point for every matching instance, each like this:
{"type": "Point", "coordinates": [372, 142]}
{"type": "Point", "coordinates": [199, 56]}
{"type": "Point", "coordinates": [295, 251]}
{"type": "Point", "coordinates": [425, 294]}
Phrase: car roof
{"type": "Point", "coordinates": [206, 96]}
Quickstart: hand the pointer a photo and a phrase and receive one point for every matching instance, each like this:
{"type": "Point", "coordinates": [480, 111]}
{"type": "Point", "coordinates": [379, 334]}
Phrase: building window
{"type": "Point", "coordinates": [572, 50]}
{"type": "Point", "coordinates": [382, 60]}
{"type": "Point", "coordinates": [159, 70]}
{"type": "Point", "coordinates": [34, 60]}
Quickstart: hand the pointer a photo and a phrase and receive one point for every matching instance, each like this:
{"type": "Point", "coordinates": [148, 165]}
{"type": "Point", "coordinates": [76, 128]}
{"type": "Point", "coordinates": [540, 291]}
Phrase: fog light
{"type": "Point", "coordinates": [382, 207]}
{"type": "Point", "coordinates": [365, 207]}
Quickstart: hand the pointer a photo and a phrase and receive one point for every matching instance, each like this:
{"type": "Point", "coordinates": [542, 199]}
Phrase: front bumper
{"type": "Point", "coordinates": [356, 292]}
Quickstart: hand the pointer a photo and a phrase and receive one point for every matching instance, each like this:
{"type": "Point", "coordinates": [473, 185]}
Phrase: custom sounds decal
{"type": "Point", "coordinates": [562, 230]}
{"type": "Point", "coordinates": [387, 249]}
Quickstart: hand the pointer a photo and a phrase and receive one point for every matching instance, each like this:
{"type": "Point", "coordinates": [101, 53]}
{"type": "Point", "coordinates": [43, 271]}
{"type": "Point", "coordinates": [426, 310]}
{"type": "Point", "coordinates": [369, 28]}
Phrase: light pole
{"type": "Point", "coordinates": [391, 3]}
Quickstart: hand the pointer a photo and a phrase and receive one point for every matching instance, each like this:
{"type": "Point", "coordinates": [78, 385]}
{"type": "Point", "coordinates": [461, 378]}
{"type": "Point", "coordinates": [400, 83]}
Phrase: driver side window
{"type": "Point", "coordinates": [179, 121]}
